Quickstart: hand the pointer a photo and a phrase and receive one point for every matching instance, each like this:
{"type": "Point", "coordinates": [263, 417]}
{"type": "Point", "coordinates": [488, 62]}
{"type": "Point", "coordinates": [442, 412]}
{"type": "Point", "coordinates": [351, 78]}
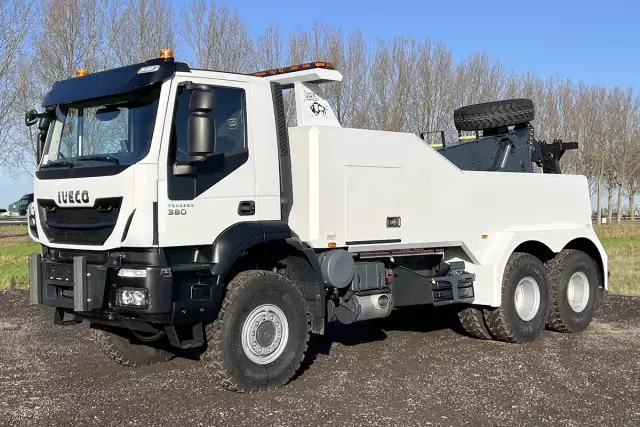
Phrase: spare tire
{"type": "Point", "coordinates": [494, 114]}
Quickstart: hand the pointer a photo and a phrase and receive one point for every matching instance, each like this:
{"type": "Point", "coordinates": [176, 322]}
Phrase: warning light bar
{"type": "Point", "coordinates": [81, 72]}
{"type": "Point", "coordinates": [293, 68]}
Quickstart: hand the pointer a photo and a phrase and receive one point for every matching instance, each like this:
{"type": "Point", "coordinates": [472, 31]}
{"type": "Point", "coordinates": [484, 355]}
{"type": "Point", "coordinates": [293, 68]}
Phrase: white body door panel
{"type": "Point", "coordinates": [194, 210]}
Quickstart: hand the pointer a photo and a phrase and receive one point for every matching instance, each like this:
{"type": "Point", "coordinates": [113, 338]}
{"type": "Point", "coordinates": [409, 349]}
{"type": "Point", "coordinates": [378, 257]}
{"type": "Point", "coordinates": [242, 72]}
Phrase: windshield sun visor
{"type": "Point", "coordinates": [112, 82]}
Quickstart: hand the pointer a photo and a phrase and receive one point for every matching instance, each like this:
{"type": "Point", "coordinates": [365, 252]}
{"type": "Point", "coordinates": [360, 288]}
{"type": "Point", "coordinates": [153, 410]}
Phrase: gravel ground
{"type": "Point", "coordinates": [411, 369]}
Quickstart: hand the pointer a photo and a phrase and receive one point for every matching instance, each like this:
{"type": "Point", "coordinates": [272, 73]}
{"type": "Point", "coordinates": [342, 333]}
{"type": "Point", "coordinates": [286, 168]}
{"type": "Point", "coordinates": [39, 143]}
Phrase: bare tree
{"type": "Point", "coordinates": [395, 71]}
{"type": "Point", "coordinates": [218, 37]}
{"type": "Point", "coordinates": [69, 35]}
{"type": "Point", "coordinates": [142, 28]}
{"type": "Point", "coordinates": [398, 85]}
{"type": "Point", "coordinates": [16, 17]}
{"type": "Point", "coordinates": [480, 79]}
{"type": "Point", "coordinates": [433, 93]}
{"type": "Point", "coordinates": [270, 51]}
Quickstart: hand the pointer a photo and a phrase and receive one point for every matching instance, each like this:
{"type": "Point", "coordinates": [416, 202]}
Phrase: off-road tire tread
{"type": "Point", "coordinates": [105, 342]}
{"type": "Point", "coordinates": [554, 270]}
{"type": "Point", "coordinates": [496, 318]}
{"type": "Point", "coordinates": [494, 114]}
{"type": "Point", "coordinates": [472, 321]}
{"type": "Point", "coordinates": [214, 331]}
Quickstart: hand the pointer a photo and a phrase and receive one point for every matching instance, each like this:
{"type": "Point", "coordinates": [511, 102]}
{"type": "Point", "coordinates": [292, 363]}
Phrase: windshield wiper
{"type": "Point", "coordinates": [57, 163]}
{"type": "Point", "coordinates": [98, 159]}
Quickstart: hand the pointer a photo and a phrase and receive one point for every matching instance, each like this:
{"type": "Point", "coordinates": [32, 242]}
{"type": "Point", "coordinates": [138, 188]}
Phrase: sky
{"type": "Point", "coordinates": [597, 42]}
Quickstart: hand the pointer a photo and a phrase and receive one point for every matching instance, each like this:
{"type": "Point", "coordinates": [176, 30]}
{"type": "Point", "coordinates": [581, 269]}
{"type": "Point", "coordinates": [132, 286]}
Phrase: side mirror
{"type": "Point", "coordinates": [43, 128]}
{"type": "Point", "coordinates": [201, 132]}
{"type": "Point", "coordinates": [30, 118]}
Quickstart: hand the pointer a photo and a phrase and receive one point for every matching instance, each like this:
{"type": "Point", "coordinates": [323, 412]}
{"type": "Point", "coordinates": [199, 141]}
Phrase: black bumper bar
{"type": "Point", "coordinates": [91, 292]}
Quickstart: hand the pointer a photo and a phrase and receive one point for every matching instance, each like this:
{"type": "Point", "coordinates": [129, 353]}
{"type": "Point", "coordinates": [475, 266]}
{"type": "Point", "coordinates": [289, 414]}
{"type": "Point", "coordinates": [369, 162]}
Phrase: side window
{"type": "Point", "coordinates": [229, 116]}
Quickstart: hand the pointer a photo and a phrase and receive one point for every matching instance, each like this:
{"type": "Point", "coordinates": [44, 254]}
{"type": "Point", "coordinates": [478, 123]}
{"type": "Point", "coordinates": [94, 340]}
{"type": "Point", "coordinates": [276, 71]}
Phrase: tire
{"type": "Point", "coordinates": [577, 265]}
{"type": "Point", "coordinates": [494, 114]}
{"type": "Point", "coordinates": [258, 293]}
{"type": "Point", "coordinates": [123, 347]}
{"type": "Point", "coordinates": [472, 321]}
{"type": "Point", "coordinates": [507, 323]}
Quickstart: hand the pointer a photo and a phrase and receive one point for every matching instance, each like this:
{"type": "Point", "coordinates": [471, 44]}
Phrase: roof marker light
{"type": "Point", "coordinates": [293, 68]}
{"type": "Point", "coordinates": [166, 53]}
{"type": "Point", "coordinates": [148, 69]}
{"type": "Point", "coordinates": [81, 72]}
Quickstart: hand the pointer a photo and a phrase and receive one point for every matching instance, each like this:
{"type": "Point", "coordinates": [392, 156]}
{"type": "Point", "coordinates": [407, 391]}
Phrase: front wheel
{"type": "Point", "coordinates": [131, 348]}
{"type": "Point", "coordinates": [261, 334]}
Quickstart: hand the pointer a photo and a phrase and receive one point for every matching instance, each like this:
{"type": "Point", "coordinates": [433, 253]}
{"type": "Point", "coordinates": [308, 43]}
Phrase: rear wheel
{"type": "Point", "coordinates": [575, 283]}
{"type": "Point", "coordinates": [260, 337]}
{"type": "Point", "coordinates": [525, 301]}
{"type": "Point", "coordinates": [472, 320]}
{"type": "Point", "coordinates": [130, 348]}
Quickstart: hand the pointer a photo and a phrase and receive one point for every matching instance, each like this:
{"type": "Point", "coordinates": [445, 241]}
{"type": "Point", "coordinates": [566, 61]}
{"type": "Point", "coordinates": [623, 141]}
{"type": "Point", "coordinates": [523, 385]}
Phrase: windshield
{"type": "Point", "coordinates": [116, 130]}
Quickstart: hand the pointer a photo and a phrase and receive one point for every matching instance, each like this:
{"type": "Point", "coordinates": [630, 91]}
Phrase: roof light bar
{"type": "Point", "coordinates": [293, 68]}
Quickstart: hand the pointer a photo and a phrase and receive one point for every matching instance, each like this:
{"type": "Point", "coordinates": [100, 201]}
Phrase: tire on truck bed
{"type": "Point", "coordinates": [495, 114]}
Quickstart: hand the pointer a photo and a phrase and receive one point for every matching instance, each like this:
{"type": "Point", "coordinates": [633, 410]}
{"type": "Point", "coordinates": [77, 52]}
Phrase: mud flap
{"type": "Point", "coordinates": [35, 279]}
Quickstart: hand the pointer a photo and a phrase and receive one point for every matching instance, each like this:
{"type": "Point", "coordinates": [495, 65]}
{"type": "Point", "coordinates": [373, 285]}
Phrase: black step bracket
{"type": "Point", "coordinates": [58, 318]}
{"type": "Point", "coordinates": [194, 341]}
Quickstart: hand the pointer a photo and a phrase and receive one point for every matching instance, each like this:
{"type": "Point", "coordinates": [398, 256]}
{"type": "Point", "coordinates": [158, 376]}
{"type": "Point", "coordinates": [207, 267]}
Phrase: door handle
{"type": "Point", "coordinates": [247, 207]}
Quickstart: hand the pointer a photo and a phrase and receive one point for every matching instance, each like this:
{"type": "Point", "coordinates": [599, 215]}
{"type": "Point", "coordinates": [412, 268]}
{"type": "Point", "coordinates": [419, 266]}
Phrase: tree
{"type": "Point", "coordinates": [141, 29]}
{"type": "Point", "coordinates": [69, 35]}
{"type": "Point", "coordinates": [218, 37]}
{"type": "Point", "coordinates": [17, 18]}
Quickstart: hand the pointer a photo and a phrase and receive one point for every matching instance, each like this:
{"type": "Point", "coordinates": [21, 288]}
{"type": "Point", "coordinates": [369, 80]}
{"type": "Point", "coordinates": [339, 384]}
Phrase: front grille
{"type": "Point", "coordinates": [80, 226]}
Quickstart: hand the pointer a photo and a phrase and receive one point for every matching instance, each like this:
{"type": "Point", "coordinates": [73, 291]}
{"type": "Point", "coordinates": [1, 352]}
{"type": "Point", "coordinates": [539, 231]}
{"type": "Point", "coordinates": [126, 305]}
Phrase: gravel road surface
{"type": "Point", "coordinates": [413, 369]}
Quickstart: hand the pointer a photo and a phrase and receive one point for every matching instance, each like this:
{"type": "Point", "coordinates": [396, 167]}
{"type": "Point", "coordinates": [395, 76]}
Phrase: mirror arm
{"type": "Point", "coordinates": [183, 169]}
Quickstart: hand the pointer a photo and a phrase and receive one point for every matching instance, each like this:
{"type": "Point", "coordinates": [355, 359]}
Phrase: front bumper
{"type": "Point", "coordinates": [90, 291]}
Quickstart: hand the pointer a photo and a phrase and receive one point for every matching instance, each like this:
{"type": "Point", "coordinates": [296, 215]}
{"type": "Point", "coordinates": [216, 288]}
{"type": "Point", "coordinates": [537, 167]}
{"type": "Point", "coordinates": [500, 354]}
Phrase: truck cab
{"type": "Point", "coordinates": [176, 209]}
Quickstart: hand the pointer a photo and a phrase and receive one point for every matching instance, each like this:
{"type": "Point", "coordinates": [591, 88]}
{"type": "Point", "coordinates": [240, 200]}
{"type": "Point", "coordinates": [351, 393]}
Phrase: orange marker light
{"type": "Point", "coordinates": [332, 244]}
{"type": "Point", "coordinates": [166, 53]}
{"type": "Point", "coordinates": [81, 72]}
{"type": "Point", "coordinates": [485, 236]}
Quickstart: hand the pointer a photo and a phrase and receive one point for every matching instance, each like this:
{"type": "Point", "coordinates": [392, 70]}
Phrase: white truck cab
{"type": "Point", "coordinates": [176, 209]}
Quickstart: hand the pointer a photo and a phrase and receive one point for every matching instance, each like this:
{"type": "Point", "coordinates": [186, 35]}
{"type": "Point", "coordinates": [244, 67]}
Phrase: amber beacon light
{"type": "Point", "coordinates": [81, 72]}
{"type": "Point", "coordinates": [166, 53]}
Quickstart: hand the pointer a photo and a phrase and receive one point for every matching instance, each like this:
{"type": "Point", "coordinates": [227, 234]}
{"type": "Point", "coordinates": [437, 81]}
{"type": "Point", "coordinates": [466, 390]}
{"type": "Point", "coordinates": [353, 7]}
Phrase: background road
{"type": "Point", "coordinates": [415, 371]}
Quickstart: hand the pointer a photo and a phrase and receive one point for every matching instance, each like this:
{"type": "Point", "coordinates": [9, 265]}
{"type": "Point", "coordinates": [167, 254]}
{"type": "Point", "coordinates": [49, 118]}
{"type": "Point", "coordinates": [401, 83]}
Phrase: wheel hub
{"type": "Point", "coordinates": [265, 334]}
{"type": "Point", "coordinates": [578, 291]}
{"type": "Point", "coordinates": [527, 298]}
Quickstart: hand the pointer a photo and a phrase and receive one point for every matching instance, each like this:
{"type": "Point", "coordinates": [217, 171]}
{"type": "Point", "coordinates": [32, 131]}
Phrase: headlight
{"type": "Point", "coordinates": [31, 214]}
{"type": "Point", "coordinates": [132, 272]}
{"type": "Point", "coordinates": [132, 297]}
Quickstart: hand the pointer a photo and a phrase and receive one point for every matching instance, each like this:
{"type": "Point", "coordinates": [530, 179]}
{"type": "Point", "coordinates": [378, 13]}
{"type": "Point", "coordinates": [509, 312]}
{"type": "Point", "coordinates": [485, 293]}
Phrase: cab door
{"type": "Point", "coordinates": [220, 191]}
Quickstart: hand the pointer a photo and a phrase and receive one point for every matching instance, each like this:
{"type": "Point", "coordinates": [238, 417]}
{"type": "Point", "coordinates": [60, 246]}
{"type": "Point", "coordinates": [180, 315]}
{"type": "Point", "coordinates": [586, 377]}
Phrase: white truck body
{"type": "Point", "coordinates": [175, 208]}
{"type": "Point", "coordinates": [346, 182]}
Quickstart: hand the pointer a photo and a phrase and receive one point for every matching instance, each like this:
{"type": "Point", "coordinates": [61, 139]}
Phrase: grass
{"type": "Point", "coordinates": [15, 245]}
{"type": "Point", "coordinates": [622, 243]}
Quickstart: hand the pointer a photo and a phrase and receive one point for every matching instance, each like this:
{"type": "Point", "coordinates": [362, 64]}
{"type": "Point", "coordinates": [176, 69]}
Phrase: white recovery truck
{"type": "Point", "coordinates": [176, 210]}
